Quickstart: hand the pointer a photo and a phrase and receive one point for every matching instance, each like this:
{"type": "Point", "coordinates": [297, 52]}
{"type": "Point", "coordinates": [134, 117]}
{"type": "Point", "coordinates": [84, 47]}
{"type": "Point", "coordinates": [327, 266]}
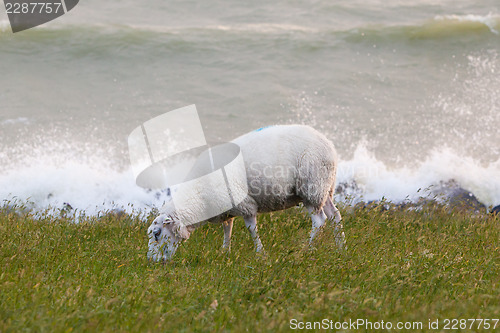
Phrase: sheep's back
{"type": "Point", "coordinates": [283, 162]}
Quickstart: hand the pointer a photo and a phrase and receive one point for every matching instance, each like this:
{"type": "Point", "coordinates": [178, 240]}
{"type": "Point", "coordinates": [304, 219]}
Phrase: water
{"type": "Point", "coordinates": [408, 91]}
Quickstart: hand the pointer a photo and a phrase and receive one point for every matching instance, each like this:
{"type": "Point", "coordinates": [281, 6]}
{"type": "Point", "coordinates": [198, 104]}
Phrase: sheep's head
{"type": "Point", "coordinates": [165, 235]}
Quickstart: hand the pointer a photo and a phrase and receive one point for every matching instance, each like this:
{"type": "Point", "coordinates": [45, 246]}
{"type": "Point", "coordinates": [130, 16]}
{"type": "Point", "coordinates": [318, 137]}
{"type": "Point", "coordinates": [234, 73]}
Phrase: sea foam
{"type": "Point", "coordinates": [92, 186]}
{"type": "Point", "coordinates": [376, 180]}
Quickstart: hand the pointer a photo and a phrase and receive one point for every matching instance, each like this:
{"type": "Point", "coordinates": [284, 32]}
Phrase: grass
{"type": "Point", "coordinates": [59, 276]}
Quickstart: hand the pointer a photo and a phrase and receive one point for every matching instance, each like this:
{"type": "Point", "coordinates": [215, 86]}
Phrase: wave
{"type": "Point", "coordinates": [88, 188]}
{"type": "Point", "coordinates": [438, 27]}
{"type": "Point", "coordinates": [90, 185]}
{"type": "Point", "coordinates": [258, 28]}
{"type": "Point", "coordinates": [374, 180]}
{"type": "Point", "coordinates": [458, 24]}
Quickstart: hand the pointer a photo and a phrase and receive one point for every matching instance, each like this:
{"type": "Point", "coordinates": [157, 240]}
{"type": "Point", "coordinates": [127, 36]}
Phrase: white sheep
{"type": "Point", "coordinates": [285, 165]}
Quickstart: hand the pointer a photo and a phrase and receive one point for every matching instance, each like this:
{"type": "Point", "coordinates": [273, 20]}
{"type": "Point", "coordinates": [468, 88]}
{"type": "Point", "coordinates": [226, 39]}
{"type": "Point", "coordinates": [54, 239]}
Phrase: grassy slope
{"type": "Point", "coordinates": [400, 266]}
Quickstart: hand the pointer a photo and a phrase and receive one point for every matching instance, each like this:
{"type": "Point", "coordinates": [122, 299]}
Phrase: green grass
{"type": "Point", "coordinates": [58, 276]}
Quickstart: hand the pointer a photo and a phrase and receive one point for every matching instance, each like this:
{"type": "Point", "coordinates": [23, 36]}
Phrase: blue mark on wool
{"type": "Point", "coordinates": [260, 129]}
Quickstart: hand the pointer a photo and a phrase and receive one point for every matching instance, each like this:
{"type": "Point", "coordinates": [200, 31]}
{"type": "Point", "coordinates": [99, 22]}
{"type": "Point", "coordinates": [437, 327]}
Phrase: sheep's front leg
{"type": "Point", "coordinates": [251, 224]}
{"type": "Point", "coordinates": [318, 220]}
{"type": "Point", "coordinates": [228, 228]}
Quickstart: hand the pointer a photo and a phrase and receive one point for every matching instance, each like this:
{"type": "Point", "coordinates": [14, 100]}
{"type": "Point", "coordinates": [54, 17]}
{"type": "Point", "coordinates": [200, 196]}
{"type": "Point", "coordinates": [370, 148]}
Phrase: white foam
{"type": "Point", "coordinates": [84, 187]}
{"type": "Point", "coordinates": [93, 187]}
{"type": "Point", "coordinates": [83, 178]}
{"type": "Point", "coordinates": [257, 28]}
{"type": "Point", "coordinates": [377, 180]}
{"type": "Point", "coordinates": [19, 120]}
{"type": "Point", "coordinates": [265, 28]}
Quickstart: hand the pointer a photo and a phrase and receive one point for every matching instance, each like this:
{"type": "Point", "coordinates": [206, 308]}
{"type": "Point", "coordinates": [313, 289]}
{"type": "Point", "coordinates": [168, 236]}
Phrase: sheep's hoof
{"type": "Point", "coordinates": [261, 253]}
{"type": "Point", "coordinates": [226, 250]}
{"type": "Point", "coordinates": [311, 248]}
{"type": "Point", "coordinates": [153, 263]}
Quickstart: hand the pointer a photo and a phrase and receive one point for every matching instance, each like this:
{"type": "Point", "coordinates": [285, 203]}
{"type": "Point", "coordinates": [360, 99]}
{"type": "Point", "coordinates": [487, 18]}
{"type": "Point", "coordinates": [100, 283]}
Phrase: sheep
{"type": "Point", "coordinates": [285, 165]}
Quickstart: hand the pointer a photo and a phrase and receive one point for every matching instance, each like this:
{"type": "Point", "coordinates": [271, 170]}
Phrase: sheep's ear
{"type": "Point", "coordinates": [182, 231]}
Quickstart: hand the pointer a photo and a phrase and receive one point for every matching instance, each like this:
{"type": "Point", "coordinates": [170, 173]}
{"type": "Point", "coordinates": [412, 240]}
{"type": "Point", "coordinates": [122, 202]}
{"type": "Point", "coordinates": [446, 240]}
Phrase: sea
{"type": "Point", "coordinates": [407, 90]}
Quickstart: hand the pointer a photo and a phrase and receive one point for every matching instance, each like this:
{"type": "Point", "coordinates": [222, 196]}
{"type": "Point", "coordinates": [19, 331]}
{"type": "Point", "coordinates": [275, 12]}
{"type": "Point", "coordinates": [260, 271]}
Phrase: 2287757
{"type": "Point", "coordinates": [33, 7]}
{"type": "Point", "coordinates": [454, 324]}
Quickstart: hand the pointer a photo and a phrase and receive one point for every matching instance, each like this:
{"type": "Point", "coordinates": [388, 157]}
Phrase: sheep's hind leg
{"type": "Point", "coordinates": [318, 220]}
{"type": "Point", "coordinates": [228, 228]}
{"type": "Point", "coordinates": [251, 224]}
{"type": "Point", "coordinates": [333, 215]}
